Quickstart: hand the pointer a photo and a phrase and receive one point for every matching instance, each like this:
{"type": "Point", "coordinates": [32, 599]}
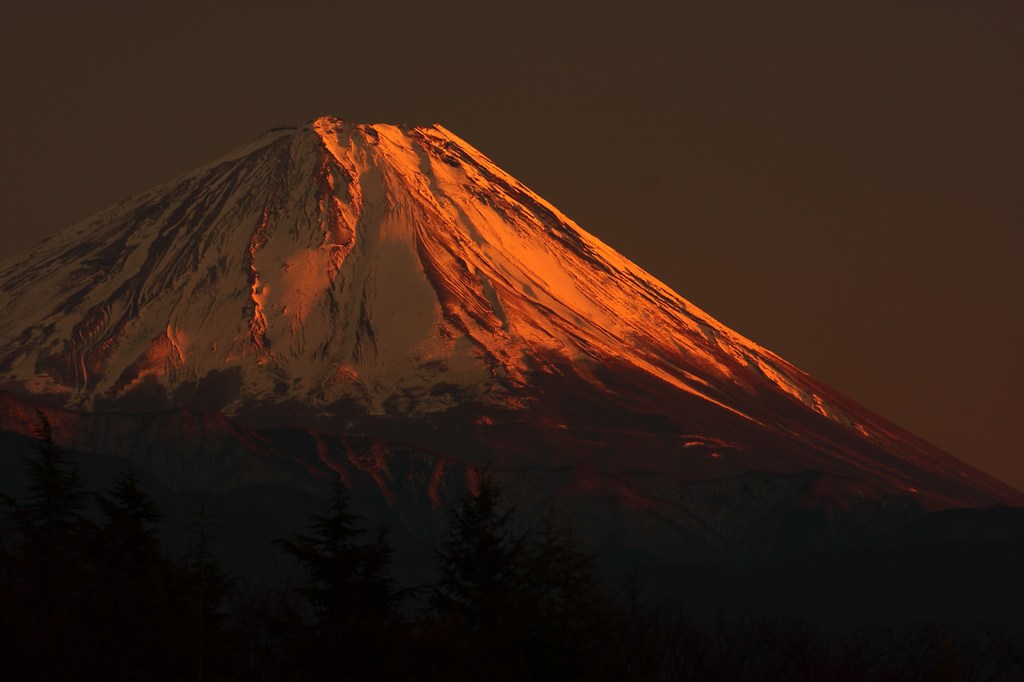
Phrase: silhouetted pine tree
{"type": "Point", "coordinates": [482, 561]}
{"type": "Point", "coordinates": [349, 591]}
{"type": "Point", "coordinates": [570, 623]}
{"type": "Point", "coordinates": [54, 565]}
{"type": "Point", "coordinates": [523, 605]}
{"type": "Point", "coordinates": [207, 588]}
{"type": "Point", "coordinates": [135, 603]}
{"type": "Point", "coordinates": [52, 531]}
{"type": "Point", "coordinates": [130, 532]}
{"type": "Point", "coordinates": [344, 578]}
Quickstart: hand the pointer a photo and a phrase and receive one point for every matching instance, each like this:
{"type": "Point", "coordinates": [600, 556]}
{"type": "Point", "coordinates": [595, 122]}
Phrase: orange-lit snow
{"type": "Point", "coordinates": [367, 262]}
{"type": "Point", "coordinates": [345, 272]}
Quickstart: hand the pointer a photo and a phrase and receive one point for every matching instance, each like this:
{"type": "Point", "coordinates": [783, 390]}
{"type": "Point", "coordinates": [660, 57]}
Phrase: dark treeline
{"type": "Point", "coordinates": [88, 592]}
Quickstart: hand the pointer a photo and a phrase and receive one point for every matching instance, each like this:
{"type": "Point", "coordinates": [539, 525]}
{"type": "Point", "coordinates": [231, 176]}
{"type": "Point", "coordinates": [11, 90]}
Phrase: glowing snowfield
{"type": "Point", "coordinates": [384, 265]}
{"type": "Point", "coordinates": [347, 259]}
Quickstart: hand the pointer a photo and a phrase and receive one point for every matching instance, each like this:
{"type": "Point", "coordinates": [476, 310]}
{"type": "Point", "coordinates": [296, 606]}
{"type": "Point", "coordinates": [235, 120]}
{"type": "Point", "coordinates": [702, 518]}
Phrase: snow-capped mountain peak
{"type": "Point", "coordinates": [353, 270]}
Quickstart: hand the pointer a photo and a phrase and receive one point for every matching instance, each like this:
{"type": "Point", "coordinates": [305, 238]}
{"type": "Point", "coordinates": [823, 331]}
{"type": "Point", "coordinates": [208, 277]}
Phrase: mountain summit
{"type": "Point", "coordinates": [392, 280]}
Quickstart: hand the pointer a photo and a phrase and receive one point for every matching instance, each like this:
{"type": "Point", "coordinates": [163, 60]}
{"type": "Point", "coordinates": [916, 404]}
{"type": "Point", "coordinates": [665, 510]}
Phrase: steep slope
{"type": "Point", "coordinates": [382, 279]}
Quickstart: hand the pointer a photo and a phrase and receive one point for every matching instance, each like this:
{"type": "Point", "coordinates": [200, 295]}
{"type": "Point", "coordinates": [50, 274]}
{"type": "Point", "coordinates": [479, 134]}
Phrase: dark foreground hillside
{"type": "Point", "coordinates": [107, 574]}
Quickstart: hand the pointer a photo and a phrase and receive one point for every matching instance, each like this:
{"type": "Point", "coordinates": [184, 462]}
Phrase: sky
{"type": "Point", "coordinates": [840, 182]}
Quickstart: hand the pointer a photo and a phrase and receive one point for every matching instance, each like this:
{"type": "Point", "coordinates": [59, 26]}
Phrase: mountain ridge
{"type": "Point", "coordinates": [380, 277]}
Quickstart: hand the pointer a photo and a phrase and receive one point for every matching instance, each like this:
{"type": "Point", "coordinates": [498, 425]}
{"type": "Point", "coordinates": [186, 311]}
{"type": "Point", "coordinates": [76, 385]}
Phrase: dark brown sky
{"type": "Point", "coordinates": [841, 182]}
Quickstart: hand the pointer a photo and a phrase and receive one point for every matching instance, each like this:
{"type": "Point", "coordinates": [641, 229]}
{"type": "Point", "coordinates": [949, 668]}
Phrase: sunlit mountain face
{"type": "Point", "coordinates": [383, 289]}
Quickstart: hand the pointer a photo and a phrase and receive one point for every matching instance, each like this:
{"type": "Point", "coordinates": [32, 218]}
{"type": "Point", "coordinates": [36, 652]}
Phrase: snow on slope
{"type": "Point", "coordinates": [389, 267]}
{"type": "Point", "coordinates": [344, 259]}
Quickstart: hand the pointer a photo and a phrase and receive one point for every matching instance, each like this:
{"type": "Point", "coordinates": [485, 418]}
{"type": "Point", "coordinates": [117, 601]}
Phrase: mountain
{"type": "Point", "coordinates": [392, 284]}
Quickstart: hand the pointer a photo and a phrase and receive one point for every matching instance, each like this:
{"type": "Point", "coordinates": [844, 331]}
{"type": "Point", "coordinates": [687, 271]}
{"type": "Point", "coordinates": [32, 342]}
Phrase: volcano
{"type": "Point", "coordinates": [392, 284]}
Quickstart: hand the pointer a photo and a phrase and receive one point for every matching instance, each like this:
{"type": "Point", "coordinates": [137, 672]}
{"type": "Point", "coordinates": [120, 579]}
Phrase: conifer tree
{"type": "Point", "coordinates": [208, 586]}
{"type": "Point", "coordinates": [54, 539]}
{"type": "Point", "coordinates": [350, 592]}
{"type": "Point", "coordinates": [131, 519]}
{"type": "Point", "coordinates": [527, 604]}
{"type": "Point", "coordinates": [54, 536]}
{"type": "Point", "coordinates": [345, 578]}
{"type": "Point", "coordinates": [482, 561]}
{"type": "Point", "coordinates": [54, 559]}
{"type": "Point", "coordinates": [571, 624]}
{"type": "Point", "coordinates": [135, 601]}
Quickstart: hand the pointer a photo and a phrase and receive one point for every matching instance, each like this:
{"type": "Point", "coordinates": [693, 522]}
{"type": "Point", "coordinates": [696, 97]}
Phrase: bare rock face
{"type": "Point", "coordinates": [394, 283]}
